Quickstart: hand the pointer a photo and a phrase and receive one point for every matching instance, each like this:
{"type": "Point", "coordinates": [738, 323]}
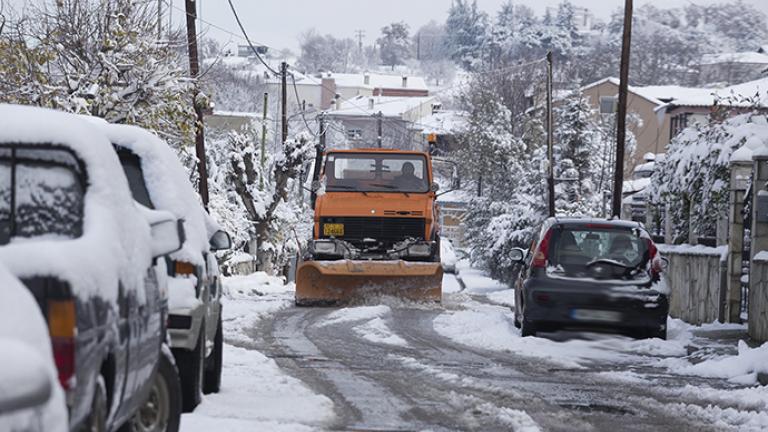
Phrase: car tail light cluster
{"type": "Point", "coordinates": [62, 327]}
{"type": "Point", "coordinates": [653, 256]}
{"type": "Point", "coordinates": [542, 252]}
{"type": "Point", "coordinates": [184, 268]}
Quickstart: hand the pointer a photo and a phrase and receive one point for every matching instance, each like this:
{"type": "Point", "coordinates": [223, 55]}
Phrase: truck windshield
{"type": "Point", "coordinates": [41, 194]}
{"type": "Point", "coordinates": [372, 172]}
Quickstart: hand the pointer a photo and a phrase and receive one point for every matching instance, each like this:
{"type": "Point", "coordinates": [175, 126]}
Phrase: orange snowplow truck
{"type": "Point", "coordinates": [375, 229]}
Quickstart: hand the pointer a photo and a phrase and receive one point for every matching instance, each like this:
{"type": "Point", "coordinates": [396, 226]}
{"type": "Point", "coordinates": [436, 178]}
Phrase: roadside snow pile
{"type": "Point", "coordinates": [377, 331]}
{"type": "Point", "coordinates": [741, 368]}
{"type": "Point", "coordinates": [257, 395]}
{"type": "Point", "coordinates": [359, 313]}
{"type": "Point", "coordinates": [504, 297]}
{"type": "Point", "coordinates": [478, 282]}
{"type": "Point", "coordinates": [247, 299]}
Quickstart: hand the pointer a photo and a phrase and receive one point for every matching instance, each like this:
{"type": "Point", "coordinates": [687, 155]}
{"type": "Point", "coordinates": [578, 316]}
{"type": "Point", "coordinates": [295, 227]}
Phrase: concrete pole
{"type": "Point", "coordinates": [740, 172]}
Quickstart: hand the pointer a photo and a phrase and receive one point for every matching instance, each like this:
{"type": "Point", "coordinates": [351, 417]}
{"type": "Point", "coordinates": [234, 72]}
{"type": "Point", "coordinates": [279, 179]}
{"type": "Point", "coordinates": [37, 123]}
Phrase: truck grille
{"type": "Point", "coordinates": [379, 228]}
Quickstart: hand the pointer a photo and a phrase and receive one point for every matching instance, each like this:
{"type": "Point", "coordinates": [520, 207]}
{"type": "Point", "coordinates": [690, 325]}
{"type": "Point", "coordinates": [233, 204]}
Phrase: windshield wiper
{"type": "Point", "coordinates": [345, 187]}
{"type": "Point", "coordinates": [390, 187]}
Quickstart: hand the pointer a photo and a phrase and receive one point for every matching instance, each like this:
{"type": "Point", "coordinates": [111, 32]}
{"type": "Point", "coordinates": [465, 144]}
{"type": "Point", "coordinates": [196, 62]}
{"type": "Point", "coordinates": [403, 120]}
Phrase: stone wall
{"type": "Point", "coordinates": [696, 277]}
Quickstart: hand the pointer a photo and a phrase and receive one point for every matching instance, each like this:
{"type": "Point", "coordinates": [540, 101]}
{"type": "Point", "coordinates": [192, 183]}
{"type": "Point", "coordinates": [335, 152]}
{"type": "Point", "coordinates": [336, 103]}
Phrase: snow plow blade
{"type": "Point", "coordinates": [332, 282]}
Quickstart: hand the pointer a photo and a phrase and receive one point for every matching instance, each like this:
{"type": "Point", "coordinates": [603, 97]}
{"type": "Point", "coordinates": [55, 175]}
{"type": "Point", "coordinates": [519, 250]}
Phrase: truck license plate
{"type": "Point", "coordinates": [333, 229]}
{"type": "Point", "coordinates": [595, 315]}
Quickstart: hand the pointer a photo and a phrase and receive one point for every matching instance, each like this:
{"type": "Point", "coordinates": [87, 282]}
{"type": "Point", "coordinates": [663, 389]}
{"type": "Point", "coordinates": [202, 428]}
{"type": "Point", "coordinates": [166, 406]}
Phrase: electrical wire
{"type": "Point", "coordinates": [245, 34]}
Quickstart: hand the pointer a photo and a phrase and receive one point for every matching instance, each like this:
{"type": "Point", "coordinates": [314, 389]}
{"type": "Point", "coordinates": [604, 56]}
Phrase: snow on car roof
{"type": "Point", "coordinates": [169, 186]}
{"type": "Point", "coordinates": [115, 244]}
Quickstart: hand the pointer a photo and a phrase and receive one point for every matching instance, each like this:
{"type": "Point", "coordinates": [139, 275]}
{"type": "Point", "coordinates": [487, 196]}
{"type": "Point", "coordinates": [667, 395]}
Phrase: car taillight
{"type": "Point", "coordinates": [184, 268]}
{"type": "Point", "coordinates": [63, 327]}
{"type": "Point", "coordinates": [653, 253]}
{"type": "Point", "coordinates": [542, 252]}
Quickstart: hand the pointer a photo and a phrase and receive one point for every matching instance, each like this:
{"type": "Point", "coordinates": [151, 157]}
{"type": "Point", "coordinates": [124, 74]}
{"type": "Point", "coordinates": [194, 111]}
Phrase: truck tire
{"type": "Point", "coordinates": [162, 410]}
{"type": "Point", "coordinates": [214, 363]}
{"type": "Point", "coordinates": [191, 365]}
{"type": "Point", "coordinates": [97, 418]}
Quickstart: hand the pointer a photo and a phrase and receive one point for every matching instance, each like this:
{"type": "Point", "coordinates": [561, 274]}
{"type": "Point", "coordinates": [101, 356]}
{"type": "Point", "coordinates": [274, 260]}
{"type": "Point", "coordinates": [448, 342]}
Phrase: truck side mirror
{"type": "Point", "coordinates": [435, 187]}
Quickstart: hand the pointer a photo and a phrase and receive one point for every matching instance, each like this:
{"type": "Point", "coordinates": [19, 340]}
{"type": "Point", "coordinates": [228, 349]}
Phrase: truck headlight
{"type": "Point", "coordinates": [420, 250]}
{"type": "Point", "coordinates": [325, 247]}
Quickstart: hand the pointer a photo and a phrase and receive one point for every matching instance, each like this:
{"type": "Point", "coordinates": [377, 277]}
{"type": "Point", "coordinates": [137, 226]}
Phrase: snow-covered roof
{"type": "Point", "coordinates": [444, 122]}
{"type": "Point", "coordinates": [169, 187]}
{"type": "Point", "coordinates": [696, 97]}
{"type": "Point", "coordinates": [379, 81]}
{"type": "Point", "coordinates": [748, 57]}
{"type": "Point", "coordinates": [115, 243]}
{"type": "Point", "coordinates": [388, 105]}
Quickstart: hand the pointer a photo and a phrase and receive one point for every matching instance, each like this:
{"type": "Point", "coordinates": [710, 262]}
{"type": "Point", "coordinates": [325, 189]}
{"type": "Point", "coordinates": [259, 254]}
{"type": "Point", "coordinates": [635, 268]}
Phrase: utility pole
{"type": "Point", "coordinates": [194, 69]}
{"type": "Point", "coordinates": [318, 158]}
{"type": "Point", "coordinates": [360, 35]}
{"type": "Point", "coordinates": [621, 121]}
{"type": "Point", "coordinates": [378, 128]}
{"type": "Point", "coordinates": [284, 98]}
{"type": "Point", "coordinates": [263, 141]}
{"type": "Point", "coordinates": [159, 19]}
{"type": "Point", "coordinates": [550, 144]}
{"type": "Point", "coordinates": [418, 46]}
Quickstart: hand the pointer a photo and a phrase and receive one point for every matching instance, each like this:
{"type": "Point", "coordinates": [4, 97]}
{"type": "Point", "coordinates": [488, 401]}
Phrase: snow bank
{"type": "Point", "coordinates": [26, 347]}
{"type": "Point", "coordinates": [256, 395]}
{"type": "Point", "coordinates": [741, 368]}
{"type": "Point", "coordinates": [116, 238]}
{"type": "Point", "coordinates": [247, 299]}
{"type": "Point", "coordinates": [169, 187]}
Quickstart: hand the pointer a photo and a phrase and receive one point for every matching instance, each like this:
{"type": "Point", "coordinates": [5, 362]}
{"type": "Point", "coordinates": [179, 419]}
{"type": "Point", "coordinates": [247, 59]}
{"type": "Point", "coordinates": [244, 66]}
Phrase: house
{"type": "Point", "coordinates": [400, 121]}
{"type": "Point", "coordinates": [729, 68]}
{"type": "Point", "coordinates": [664, 111]}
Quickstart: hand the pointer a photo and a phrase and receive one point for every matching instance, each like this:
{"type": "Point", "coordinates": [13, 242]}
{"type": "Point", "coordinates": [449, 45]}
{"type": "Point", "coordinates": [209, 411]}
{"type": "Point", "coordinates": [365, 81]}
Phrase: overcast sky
{"type": "Point", "coordinates": [278, 23]}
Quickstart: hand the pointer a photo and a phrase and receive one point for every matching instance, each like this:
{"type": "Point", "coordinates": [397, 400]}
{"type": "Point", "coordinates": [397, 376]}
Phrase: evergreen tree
{"type": "Point", "coordinates": [466, 28]}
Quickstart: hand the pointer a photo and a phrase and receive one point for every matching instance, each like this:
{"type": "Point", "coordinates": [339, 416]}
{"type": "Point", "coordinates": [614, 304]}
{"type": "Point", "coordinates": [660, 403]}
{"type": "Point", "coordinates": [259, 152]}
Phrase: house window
{"type": "Point", "coordinates": [678, 123]}
{"type": "Point", "coordinates": [608, 104]}
{"type": "Point", "coordinates": [354, 134]}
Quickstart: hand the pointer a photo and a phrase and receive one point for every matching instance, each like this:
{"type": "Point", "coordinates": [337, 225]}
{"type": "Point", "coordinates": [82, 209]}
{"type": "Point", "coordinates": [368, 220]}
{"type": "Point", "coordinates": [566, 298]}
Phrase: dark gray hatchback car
{"type": "Point", "coordinates": [593, 274]}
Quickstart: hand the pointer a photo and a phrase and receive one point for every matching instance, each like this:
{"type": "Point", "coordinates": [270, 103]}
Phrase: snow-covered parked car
{"type": "Point", "coordinates": [72, 233]}
{"type": "Point", "coordinates": [31, 398]}
{"type": "Point", "coordinates": [159, 181]}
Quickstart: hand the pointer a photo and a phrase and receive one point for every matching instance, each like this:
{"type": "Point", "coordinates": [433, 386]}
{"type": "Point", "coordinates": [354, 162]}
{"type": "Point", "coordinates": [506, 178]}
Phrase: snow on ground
{"type": "Point", "coordinates": [377, 331]}
{"type": "Point", "coordinates": [360, 313]}
{"type": "Point", "coordinates": [255, 393]}
{"type": "Point", "coordinates": [741, 368]}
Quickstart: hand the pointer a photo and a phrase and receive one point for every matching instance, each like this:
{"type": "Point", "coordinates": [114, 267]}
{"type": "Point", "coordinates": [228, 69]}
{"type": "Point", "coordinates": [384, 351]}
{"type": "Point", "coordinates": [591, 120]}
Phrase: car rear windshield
{"type": "Point", "coordinates": [132, 167]}
{"type": "Point", "coordinates": [372, 172]}
{"type": "Point", "coordinates": [575, 248]}
{"type": "Point", "coordinates": [41, 194]}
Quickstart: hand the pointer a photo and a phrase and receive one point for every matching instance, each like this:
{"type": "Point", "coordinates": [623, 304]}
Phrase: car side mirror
{"type": "Point", "coordinates": [435, 187]}
{"type": "Point", "coordinates": [168, 236]}
{"type": "Point", "coordinates": [220, 240]}
{"type": "Point", "coordinates": [26, 384]}
{"type": "Point", "coordinates": [517, 255]}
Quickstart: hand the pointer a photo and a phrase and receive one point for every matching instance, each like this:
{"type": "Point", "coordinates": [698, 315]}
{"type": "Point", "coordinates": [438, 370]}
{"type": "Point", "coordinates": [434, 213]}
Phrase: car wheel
{"type": "Point", "coordinates": [162, 410]}
{"type": "Point", "coordinates": [656, 333]}
{"type": "Point", "coordinates": [516, 321]}
{"type": "Point", "coordinates": [97, 419]}
{"type": "Point", "coordinates": [191, 364]}
{"type": "Point", "coordinates": [213, 365]}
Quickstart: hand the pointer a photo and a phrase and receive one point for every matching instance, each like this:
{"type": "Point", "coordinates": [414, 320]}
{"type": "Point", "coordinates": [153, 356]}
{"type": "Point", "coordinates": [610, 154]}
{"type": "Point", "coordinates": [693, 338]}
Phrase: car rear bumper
{"type": "Point", "coordinates": [565, 304]}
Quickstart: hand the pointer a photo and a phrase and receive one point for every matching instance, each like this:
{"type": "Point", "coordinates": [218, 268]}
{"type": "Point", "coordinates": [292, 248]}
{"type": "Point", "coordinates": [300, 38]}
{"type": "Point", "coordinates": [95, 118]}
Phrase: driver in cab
{"type": "Point", "coordinates": [407, 180]}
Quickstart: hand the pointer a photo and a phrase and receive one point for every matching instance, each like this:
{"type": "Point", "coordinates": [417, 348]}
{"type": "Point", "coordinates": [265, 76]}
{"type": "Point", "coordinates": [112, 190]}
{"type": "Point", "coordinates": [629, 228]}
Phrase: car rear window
{"type": "Point", "coordinates": [575, 248]}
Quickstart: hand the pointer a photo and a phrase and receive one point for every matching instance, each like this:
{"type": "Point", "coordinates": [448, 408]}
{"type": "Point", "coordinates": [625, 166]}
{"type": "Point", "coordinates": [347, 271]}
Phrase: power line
{"type": "Point", "coordinates": [245, 34]}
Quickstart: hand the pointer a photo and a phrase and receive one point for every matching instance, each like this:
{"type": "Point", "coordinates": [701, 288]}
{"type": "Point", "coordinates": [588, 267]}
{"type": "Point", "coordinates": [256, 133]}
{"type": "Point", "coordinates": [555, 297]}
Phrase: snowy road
{"type": "Point", "coordinates": [463, 366]}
